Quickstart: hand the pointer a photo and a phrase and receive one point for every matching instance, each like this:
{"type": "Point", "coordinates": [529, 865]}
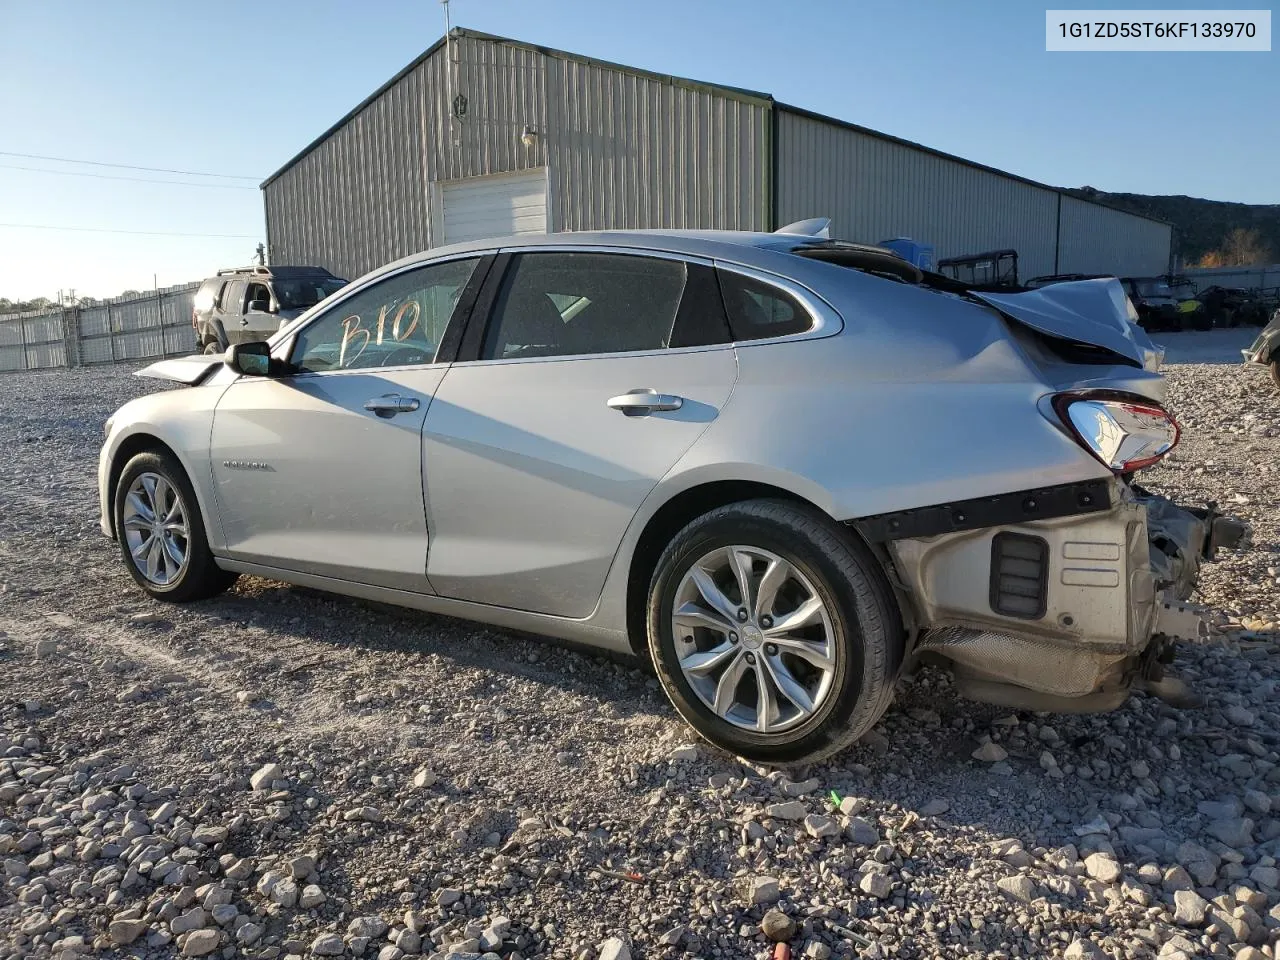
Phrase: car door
{"type": "Point", "coordinates": [320, 470]}
{"type": "Point", "coordinates": [546, 435]}
{"type": "Point", "coordinates": [230, 309]}
{"type": "Point", "coordinates": [258, 321]}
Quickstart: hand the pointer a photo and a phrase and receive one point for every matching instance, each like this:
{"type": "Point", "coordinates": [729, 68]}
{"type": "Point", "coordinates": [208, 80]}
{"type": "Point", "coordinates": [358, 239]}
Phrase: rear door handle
{"type": "Point", "coordinates": [390, 405]}
{"type": "Point", "coordinates": [644, 401]}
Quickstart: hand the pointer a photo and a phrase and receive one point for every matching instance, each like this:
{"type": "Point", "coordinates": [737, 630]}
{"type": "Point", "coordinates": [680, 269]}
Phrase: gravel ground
{"type": "Point", "coordinates": [280, 772]}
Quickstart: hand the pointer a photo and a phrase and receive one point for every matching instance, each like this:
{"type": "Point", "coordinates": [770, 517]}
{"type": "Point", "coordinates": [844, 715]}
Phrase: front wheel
{"type": "Point", "coordinates": [774, 632]}
{"type": "Point", "coordinates": [161, 532]}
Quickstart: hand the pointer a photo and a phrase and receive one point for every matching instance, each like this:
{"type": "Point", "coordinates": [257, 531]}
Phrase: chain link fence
{"type": "Point", "coordinates": [156, 324]}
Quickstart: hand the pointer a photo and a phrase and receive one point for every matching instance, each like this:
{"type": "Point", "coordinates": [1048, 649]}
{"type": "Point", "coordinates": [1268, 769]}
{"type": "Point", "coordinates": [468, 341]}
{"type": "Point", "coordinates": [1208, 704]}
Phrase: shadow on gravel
{"type": "Point", "coordinates": [350, 625]}
{"type": "Point", "coordinates": [920, 753]}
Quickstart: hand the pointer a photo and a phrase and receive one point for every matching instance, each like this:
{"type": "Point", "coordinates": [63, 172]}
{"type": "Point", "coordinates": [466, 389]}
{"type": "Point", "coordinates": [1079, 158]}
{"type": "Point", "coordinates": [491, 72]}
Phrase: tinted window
{"type": "Point", "coordinates": [258, 291]}
{"type": "Point", "coordinates": [757, 310]}
{"type": "Point", "coordinates": [395, 322]}
{"type": "Point", "coordinates": [299, 294]}
{"type": "Point", "coordinates": [233, 296]}
{"type": "Point", "coordinates": [566, 304]}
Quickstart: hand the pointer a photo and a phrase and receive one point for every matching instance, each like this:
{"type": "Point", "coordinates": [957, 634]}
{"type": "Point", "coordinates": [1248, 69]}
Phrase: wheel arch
{"type": "Point", "coordinates": [679, 510]}
{"type": "Point", "coordinates": [129, 447]}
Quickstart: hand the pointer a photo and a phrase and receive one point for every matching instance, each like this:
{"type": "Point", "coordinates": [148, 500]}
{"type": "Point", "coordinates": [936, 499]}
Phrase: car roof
{"type": "Point", "coordinates": [272, 272]}
{"type": "Point", "coordinates": [737, 246]}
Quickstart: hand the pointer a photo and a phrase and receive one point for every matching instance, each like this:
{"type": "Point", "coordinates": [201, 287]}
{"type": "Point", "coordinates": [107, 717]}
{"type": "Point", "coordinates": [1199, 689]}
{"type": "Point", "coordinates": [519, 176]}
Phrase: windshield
{"type": "Point", "coordinates": [300, 294]}
{"type": "Point", "coordinates": [1153, 288]}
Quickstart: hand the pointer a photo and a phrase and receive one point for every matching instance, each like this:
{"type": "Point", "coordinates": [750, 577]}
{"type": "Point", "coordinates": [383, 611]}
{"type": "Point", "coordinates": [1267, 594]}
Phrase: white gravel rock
{"type": "Point", "coordinates": [265, 775]}
{"type": "Point", "coordinates": [990, 752]}
{"type": "Point", "coordinates": [615, 948]}
{"type": "Point", "coordinates": [328, 945]}
{"type": "Point", "coordinates": [762, 890]}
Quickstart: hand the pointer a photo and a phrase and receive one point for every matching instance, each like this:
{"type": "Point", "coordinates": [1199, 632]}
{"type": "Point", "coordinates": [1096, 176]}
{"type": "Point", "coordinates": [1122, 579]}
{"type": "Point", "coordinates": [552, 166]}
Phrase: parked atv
{"type": "Point", "coordinates": [1166, 303]}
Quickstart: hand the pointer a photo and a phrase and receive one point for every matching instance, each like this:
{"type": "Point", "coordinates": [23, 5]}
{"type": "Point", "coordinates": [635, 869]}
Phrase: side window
{"type": "Point", "coordinates": [757, 310]}
{"type": "Point", "coordinates": [569, 304]}
{"type": "Point", "coordinates": [258, 291]}
{"type": "Point", "coordinates": [233, 297]}
{"type": "Point", "coordinates": [396, 322]}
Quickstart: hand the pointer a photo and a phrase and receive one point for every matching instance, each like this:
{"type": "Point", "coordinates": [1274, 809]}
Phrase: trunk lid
{"type": "Point", "coordinates": [1083, 311]}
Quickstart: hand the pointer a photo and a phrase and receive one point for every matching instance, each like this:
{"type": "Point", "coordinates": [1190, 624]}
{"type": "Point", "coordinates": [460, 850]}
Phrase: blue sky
{"type": "Point", "coordinates": [239, 87]}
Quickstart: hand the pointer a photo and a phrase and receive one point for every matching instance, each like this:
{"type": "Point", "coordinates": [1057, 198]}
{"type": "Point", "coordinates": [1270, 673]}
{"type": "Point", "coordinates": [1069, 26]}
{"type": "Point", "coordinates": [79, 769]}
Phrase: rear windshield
{"type": "Point", "coordinates": [295, 294]}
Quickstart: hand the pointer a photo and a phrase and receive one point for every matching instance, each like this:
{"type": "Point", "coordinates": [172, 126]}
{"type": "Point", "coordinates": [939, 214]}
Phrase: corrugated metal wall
{"type": "Point", "coordinates": [360, 198]}
{"type": "Point", "coordinates": [630, 151]}
{"type": "Point", "coordinates": [624, 150]}
{"type": "Point", "coordinates": [874, 189]}
{"type": "Point", "coordinates": [1097, 239]}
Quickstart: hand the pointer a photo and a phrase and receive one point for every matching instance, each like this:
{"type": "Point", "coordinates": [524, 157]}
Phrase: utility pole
{"type": "Point", "coordinates": [262, 255]}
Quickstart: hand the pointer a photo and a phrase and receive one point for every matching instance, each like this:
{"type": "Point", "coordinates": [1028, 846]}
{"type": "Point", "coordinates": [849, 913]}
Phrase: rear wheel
{"type": "Point", "coordinates": [1275, 371]}
{"type": "Point", "coordinates": [212, 346]}
{"type": "Point", "coordinates": [161, 532]}
{"type": "Point", "coordinates": [774, 632]}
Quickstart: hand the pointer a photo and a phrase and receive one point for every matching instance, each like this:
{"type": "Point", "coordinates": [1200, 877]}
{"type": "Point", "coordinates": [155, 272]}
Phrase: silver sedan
{"type": "Point", "coordinates": [778, 465]}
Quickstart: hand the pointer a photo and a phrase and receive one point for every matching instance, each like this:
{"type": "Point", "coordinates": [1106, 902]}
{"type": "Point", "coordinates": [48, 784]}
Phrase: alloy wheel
{"type": "Point", "coordinates": [754, 639]}
{"type": "Point", "coordinates": [155, 529]}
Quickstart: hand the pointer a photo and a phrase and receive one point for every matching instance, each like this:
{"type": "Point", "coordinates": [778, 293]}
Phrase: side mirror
{"type": "Point", "coordinates": [251, 359]}
{"type": "Point", "coordinates": [259, 306]}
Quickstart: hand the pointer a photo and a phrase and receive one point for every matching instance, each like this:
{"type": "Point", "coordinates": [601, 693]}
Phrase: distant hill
{"type": "Point", "coordinates": [1205, 226]}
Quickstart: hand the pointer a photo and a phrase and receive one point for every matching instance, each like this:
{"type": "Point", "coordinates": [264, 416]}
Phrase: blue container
{"type": "Point", "coordinates": [913, 251]}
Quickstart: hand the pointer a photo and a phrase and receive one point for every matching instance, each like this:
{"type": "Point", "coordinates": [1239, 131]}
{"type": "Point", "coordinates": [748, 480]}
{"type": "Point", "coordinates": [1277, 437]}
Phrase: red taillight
{"type": "Point", "coordinates": [1125, 433]}
{"type": "Point", "coordinates": [195, 322]}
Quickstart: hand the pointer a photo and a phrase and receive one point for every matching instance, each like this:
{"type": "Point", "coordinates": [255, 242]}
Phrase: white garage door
{"type": "Point", "coordinates": [484, 207]}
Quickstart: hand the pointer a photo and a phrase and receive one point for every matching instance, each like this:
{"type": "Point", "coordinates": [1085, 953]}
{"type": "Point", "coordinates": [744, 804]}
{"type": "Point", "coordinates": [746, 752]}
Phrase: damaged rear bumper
{"type": "Point", "coordinates": [1063, 613]}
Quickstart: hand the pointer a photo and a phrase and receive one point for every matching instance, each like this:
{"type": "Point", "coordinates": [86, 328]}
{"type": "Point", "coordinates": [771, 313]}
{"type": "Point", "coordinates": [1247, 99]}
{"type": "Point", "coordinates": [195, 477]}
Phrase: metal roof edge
{"type": "Point", "coordinates": [740, 93]}
{"type": "Point", "coordinates": [879, 135]}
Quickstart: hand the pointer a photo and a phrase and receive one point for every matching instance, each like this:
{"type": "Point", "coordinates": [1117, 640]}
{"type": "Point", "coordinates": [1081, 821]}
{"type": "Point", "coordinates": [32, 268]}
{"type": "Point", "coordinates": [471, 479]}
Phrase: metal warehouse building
{"type": "Point", "coordinates": [483, 136]}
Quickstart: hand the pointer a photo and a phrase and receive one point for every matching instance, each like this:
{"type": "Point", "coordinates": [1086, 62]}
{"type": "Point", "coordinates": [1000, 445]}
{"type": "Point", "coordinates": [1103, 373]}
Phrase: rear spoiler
{"type": "Point", "coordinates": [185, 370]}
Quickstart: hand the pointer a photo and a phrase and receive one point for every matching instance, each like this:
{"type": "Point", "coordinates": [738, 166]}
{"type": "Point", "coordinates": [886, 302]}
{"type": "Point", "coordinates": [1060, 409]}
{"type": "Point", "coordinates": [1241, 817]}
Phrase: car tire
{"type": "Point", "coordinates": [212, 347]}
{"type": "Point", "coordinates": [171, 566]}
{"type": "Point", "coordinates": [845, 661]}
{"type": "Point", "coordinates": [1275, 371]}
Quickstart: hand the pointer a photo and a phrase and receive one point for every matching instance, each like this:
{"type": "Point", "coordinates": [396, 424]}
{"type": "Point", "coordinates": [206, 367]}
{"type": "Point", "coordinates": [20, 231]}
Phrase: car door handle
{"type": "Point", "coordinates": [643, 401]}
{"type": "Point", "coordinates": [390, 405]}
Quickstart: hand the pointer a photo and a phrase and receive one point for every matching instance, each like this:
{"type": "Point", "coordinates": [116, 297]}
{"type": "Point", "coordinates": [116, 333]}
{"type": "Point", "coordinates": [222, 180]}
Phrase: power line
{"type": "Point", "coordinates": [108, 176]}
{"type": "Point", "coordinates": [125, 166]}
{"type": "Point", "coordinates": [141, 233]}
